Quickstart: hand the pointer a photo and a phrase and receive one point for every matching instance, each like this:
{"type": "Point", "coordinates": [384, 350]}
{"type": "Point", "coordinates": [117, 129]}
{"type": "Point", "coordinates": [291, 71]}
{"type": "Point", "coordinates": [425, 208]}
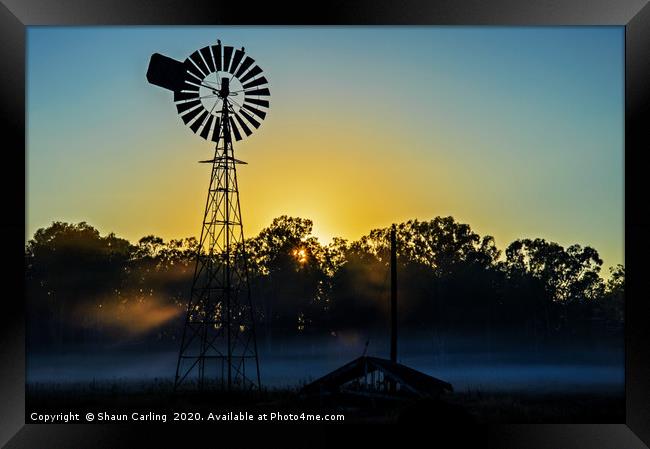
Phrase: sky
{"type": "Point", "coordinates": [517, 131]}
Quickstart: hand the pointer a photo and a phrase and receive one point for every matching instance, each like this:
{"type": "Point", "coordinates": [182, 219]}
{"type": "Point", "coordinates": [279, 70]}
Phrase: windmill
{"type": "Point", "coordinates": [220, 93]}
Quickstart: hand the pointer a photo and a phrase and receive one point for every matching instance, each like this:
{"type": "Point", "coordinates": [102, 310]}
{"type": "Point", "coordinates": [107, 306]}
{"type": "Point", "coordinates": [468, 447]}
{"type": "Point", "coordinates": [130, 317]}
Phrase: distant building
{"type": "Point", "coordinates": [376, 377]}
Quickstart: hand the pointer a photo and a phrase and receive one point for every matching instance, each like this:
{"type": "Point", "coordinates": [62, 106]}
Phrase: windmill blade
{"type": "Point", "coordinates": [239, 54]}
{"type": "Point", "coordinates": [186, 95]}
{"type": "Point", "coordinates": [191, 114]}
{"type": "Point", "coordinates": [257, 112]}
{"type": "Point", "coordinates": [203, 63]}
{"type": "Point", "coordinates": [207, 57]}
{"type": "Point", "coordinates": [254, 122]}
{"type": "Point", "coordinates": [196, 60]}
{"type": "Point", "coordinates": [244, 66]}
{"type": "Point", "coordinates": [260, 92]}
{"type": "Point", "coordinates": [263, 103]}
{"type": "Point", "coordinates": [217, 129]}
{"type": "Point", "coordinates": [234, 129]}
{"type": "Point", "coordinates": [227, 54]}
{"type": "Point", "coordinates": [189, 83]}
{"type": "Point", "coordinates": [207, 128]}
{"type": "Point", "coordinates": [192, 70]}
{"type": "Point", "coordinates": [243, 125]}
{"type": "Point", "coordinates": [199, 121]}
{"type": "Point", "coordinates": [255, 82]}
{"type": "Point", "coordinates": [195, 78]}
{"type": "Point", "coordinates": [216, 56]}
{"type": "Point", "coordinates": [182, 107]}
{"type": "Point", "coordinates": [251, 73]}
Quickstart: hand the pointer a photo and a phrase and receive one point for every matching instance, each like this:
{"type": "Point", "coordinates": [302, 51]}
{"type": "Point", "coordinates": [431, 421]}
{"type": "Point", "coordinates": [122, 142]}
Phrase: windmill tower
{"type": "Point", "coordinates": [220, 94]}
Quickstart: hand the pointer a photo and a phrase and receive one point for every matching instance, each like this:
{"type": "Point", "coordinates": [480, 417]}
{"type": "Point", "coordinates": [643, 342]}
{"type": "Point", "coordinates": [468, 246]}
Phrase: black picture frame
{"type": "Point", "coordinates": [634, 15]}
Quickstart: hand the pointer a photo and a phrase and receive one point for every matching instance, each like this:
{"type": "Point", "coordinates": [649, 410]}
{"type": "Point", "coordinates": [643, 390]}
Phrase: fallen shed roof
{"type": "Point", "coordinates": [410, 380]}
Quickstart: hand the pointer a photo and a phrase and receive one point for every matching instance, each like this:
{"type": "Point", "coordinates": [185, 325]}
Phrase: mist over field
{"type": "Point", "coordinates": [467, 362]}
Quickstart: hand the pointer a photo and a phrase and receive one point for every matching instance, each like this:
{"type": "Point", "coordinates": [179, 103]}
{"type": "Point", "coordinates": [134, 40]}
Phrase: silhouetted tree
{"type": "Point", "coordinates": [568, 278]}
{"type": "Point", "coordinates": [288, 276]}
{"type": "Point", "coordinates": [450, 279]}
{"type": "Point", "coordinates": [69, 265]}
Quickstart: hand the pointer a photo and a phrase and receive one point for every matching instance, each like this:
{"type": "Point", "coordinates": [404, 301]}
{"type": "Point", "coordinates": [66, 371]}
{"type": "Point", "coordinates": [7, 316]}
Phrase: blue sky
{"type": "Point", "coordinates": [516, 131]}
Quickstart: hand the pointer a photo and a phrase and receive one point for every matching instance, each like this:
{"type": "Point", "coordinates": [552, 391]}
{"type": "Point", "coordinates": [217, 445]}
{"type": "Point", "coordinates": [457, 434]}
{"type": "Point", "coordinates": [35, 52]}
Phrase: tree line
{"type": "Point", "coordinates": [82, 286]}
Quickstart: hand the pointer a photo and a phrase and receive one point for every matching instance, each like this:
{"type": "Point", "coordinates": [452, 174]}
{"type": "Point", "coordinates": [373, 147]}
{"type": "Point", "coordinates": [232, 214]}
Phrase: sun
{"type": "Point", "coordinates": [300, 254]}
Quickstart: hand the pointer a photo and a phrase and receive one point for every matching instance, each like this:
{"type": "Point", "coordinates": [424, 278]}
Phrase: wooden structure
{"type": "Point", "coordinates": [376, 377]}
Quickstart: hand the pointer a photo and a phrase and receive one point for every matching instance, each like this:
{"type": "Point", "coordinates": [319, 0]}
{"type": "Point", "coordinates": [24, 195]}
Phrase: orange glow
{"type": "Point", "coordinates": [300, 254]}
{"type": "Point", "coordinates": [133, 316]}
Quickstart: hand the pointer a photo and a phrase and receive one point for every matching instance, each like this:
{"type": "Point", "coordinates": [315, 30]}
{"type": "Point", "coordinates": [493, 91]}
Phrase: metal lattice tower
{"type": "Point", "coordinates": [218, 347]}
{"type": "Point", "coordinates": [219, 335]}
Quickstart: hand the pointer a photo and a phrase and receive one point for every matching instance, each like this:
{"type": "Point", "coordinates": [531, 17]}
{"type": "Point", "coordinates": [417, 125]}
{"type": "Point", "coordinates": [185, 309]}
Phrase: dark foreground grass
{"type": "Point", "coordinates": [157, 396]}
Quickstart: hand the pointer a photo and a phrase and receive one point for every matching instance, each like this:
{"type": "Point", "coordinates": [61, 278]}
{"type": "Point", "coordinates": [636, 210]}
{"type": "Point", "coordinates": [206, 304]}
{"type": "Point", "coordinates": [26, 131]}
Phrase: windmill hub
{"type": "Point", "coordinates": [225, 88]}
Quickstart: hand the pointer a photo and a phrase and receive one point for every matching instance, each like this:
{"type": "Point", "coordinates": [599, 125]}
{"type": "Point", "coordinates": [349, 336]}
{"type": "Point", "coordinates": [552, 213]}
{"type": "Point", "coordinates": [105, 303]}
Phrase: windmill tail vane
{"type": "Point", "coordinates": [220, 94]}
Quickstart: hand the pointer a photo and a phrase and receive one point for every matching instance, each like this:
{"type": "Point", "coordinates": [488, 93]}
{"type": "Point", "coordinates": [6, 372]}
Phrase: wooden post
{"type": "Point", "coordinates": [393, 295]}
